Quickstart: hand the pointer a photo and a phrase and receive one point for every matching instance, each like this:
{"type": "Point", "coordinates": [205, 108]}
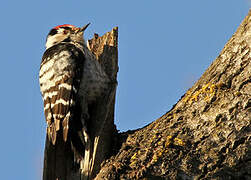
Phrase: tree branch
{"type": "Point", "coordinates": [206, 135]}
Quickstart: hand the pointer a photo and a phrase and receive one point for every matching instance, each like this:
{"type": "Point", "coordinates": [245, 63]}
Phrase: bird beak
{"type": "Point", "coordinates": [82, 29]}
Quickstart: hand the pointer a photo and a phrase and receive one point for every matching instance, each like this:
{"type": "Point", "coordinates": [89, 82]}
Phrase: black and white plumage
{"type": "Point", "coordinates": [70, 80]}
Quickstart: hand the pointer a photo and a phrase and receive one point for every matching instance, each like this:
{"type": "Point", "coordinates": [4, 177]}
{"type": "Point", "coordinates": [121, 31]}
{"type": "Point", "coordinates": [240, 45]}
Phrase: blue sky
{"type": "Point", "coordinates": [164, 47]}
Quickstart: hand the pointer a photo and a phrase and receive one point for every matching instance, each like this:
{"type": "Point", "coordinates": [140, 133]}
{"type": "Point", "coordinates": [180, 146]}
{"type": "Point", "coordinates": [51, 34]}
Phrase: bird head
{"type": "Point", "coordinates": [65, 33]}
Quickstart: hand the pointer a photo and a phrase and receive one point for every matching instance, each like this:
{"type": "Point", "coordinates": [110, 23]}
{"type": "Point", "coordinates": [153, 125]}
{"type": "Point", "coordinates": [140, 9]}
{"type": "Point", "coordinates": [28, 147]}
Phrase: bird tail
{"type": "Point", "coordinates": [86, 162]}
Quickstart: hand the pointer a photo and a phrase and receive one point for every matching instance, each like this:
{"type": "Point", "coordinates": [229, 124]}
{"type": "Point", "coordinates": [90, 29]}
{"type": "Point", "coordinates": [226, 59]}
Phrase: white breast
{"type": "Point", "coordinates": [94, 80]}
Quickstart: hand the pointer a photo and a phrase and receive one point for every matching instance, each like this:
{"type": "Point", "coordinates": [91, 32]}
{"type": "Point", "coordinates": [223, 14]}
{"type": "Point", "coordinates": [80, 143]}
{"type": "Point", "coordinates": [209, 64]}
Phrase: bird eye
{"type": "Point", "coordinates": [65, 32]}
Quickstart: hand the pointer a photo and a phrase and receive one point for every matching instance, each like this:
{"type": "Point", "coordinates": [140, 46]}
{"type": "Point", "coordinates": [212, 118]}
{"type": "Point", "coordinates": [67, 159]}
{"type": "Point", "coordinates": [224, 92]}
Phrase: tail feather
{"type": "Point", "coordinates": [65, 125]}
{"type": "Point", "coordinates": [95, 145]}
{"type": "Point", "coordinates": [52, 133]}
{"type": "Point", "coordinates": [85, 164]}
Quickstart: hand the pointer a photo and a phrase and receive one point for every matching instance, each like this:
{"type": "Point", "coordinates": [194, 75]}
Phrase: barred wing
{"type": "Point", "coordinates": [60, 75]}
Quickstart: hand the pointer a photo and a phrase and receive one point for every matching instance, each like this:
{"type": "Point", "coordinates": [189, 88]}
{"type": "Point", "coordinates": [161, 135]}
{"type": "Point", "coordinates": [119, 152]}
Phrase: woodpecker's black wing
{"type": "Point", "coordinates": [60, 75]}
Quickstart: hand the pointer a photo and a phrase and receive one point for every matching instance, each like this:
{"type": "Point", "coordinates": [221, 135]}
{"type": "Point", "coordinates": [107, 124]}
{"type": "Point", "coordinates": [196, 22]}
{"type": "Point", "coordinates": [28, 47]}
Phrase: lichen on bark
{"type": "Point", "coordinates": [206, 135]}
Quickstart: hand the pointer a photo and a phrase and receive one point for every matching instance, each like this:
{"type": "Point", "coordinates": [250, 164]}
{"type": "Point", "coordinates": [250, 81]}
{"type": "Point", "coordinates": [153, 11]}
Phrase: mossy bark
{"type": "Point", "coordinates": [206, 135]}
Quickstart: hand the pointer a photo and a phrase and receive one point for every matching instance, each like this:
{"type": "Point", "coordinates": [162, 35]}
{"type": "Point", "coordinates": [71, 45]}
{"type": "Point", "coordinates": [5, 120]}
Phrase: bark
{"type": "Point", "coordinates": [58, 159]}
{"type": "Point", "coordinates": [206, 135]}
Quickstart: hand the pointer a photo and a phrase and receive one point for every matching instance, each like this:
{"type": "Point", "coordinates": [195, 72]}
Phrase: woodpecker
{"type": "Point", "coordinates": [71, 79]}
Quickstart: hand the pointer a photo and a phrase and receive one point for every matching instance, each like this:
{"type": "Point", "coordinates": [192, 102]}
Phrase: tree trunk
{"type": "Point", "coordinates": [58, 159]}
{"type": "Point", "coordinates": [206, 135]}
